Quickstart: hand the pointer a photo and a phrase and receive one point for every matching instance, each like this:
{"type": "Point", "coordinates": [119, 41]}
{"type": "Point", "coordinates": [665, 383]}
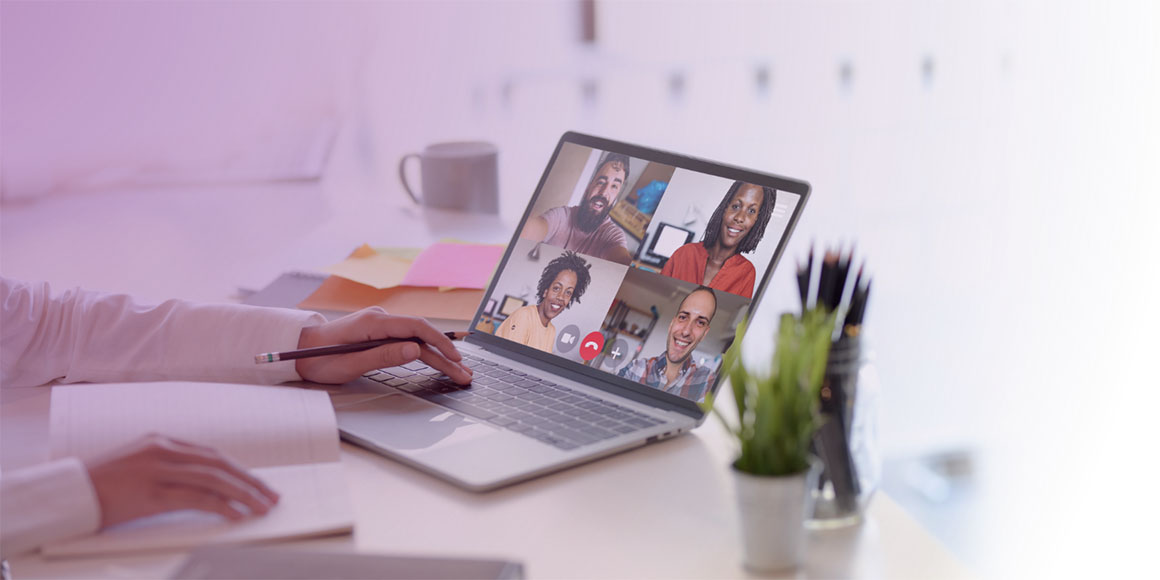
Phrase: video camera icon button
{"type": "Point", "coordinates": [568, 339]}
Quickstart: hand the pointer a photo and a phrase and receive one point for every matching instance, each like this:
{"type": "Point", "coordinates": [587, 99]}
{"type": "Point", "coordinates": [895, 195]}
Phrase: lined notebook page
{"type": "Point", "coordinates": [257, 426]}
{"type": "Point", "coordinates": [314, 501]}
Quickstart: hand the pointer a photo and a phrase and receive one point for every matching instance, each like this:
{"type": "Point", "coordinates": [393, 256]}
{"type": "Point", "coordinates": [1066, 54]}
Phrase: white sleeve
{"type": "Point", "coordinates": [97, 337]}
{"type": "Point", "coordinates": [44, 503]}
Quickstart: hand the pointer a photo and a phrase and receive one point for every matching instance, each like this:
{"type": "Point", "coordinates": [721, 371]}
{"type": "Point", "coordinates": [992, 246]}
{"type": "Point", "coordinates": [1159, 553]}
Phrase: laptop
{"type": "Point", "coordinates": [593, 337]}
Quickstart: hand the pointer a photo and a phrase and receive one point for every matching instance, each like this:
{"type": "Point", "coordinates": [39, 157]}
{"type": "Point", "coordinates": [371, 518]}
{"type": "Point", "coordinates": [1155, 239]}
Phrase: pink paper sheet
{"type": "Point", "coordinates": [454, 266]}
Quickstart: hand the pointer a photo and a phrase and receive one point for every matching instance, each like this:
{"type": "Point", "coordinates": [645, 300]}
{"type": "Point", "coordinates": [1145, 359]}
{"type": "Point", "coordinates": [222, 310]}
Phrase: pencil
{"type": "Point", "coordinates": [803, 279]}
{"type": "Point", "coordinates": [270, 357]}
{"type": "Point", "coordinates": [827, 280]}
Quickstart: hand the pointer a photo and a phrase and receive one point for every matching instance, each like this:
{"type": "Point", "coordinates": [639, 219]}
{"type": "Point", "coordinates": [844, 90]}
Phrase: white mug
{"type": "Point", "coordinates": [461, 175]}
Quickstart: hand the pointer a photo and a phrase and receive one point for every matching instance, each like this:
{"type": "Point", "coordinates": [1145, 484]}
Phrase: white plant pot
{"type": "Point", "coordinates": [772, 513]}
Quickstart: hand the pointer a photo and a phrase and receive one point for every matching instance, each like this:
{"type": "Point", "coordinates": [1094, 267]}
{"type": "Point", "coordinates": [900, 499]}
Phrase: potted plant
{"type": "Point", "coordinates": [777, 414]}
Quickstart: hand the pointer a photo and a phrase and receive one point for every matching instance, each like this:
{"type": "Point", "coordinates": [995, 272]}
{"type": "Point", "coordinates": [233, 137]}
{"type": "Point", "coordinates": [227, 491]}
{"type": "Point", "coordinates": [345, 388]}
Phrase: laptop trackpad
{"type": "Point", "coordinates": [405, 423]}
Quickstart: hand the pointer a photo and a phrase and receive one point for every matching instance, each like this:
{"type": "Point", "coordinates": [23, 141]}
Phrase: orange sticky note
{"type": "Point", "coordinates": [343, 295]}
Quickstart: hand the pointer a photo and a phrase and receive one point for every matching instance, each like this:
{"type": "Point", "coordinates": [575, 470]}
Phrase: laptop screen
{"type": "Point", "coordinates": [639, 264]}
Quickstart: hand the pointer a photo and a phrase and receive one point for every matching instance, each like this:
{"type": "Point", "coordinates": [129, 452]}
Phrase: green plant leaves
{"type": "Point", "coordinates": [778, 411]}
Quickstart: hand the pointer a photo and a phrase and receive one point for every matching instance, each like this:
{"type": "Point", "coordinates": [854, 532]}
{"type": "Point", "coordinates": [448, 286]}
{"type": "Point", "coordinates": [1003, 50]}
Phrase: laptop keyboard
{"type": "Point", "coordinates": [516, 401]}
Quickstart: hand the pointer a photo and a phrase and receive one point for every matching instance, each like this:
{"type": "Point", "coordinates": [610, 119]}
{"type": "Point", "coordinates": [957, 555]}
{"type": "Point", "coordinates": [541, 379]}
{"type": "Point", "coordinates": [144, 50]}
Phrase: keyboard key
{"type": "Point", "coordinates": [550, 439]}
{"type": "Point", "coordinates": [574, 423]}
{"type": "Point", "coordinates": [465, 408]}
{"type": "Point", "coordinates": [573, 435]}
{"type": "Point", "coordinates": [502, 421]}
{"type": "Point", "coordinates": [415, 366]}
{"type": "Point", "coordinates": [504, 409]}
{"type": "Point", "coordinates": [521, 416]}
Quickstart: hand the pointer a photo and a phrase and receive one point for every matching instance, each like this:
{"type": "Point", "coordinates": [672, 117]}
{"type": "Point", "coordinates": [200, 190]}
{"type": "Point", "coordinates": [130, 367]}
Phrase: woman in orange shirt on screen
{"type": "Point", "coordinates": [735, 228]}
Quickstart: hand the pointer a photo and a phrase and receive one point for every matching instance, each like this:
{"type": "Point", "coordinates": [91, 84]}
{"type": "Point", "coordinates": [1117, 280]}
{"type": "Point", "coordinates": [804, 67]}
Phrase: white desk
{"type": "Point", "coordinates": [662, 511]}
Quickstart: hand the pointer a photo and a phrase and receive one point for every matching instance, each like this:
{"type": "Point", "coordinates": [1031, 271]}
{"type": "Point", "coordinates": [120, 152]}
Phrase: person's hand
{"type": "Point", "coordinates": [158, 474]}
{"type": "Point", "coordinates": [371, 324]}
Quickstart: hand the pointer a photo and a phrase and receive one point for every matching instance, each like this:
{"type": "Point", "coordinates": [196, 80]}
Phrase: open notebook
{"type": "Point", "coordinates": [286, 436]}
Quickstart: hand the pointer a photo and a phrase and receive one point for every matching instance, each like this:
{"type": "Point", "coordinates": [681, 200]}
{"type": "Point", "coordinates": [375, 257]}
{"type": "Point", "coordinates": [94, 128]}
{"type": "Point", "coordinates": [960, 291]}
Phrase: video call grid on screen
{"type": "Point", "coordinates": [586, 261]}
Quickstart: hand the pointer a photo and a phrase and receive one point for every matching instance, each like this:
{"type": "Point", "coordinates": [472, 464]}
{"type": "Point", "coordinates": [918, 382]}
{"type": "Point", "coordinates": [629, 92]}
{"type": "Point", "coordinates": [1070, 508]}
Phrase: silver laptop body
{"type": "Point", "coordinates": [591, 383]}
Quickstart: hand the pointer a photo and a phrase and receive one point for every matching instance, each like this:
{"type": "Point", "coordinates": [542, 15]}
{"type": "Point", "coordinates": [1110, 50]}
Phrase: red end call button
{"type": "Point", "coordinates": [592, 345]}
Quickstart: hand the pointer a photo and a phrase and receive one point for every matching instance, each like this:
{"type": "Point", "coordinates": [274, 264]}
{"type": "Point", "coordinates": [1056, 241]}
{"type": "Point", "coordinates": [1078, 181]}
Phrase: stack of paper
{"type": "Point", "coordinates": [445, 281]}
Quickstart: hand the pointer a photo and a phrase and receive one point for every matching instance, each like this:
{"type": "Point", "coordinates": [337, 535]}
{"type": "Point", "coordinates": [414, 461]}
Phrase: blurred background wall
{"type": "Point", "coordinates": [994, 161]}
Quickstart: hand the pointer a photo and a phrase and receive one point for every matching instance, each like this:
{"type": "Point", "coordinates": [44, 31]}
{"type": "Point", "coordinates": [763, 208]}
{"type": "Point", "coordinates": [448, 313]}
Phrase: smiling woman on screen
{"type": "Point", "coordinates": [562, 282]}
{"type": "Point", "coordinates": [735, 228]}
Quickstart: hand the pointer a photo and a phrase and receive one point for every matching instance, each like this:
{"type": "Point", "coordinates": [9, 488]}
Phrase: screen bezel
{"type": "Point", "coordinates": [603, 379]}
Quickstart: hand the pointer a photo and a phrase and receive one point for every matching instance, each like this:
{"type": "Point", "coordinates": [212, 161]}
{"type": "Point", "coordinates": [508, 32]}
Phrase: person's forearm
{"type": "Point", "coordinates": [45, 503]}
{"type": "Point", "coordinates": [91, 336]}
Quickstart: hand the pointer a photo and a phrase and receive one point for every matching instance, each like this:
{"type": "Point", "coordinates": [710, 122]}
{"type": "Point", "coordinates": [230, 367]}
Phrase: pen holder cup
{"type": "Point", "coordinates": [847, 440]}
